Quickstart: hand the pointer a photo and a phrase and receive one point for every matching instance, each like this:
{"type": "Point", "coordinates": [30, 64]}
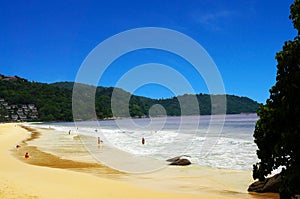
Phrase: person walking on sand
{"type": "Point", "coordinates": [26, 155]}
{"type": "Point", "coordinates": [99, 140]}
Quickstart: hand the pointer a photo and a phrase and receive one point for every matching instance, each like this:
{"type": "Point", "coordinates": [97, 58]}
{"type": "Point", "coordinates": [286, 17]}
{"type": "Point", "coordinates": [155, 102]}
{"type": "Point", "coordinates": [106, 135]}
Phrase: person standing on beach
{"type": "Point", "coordinates": [143, 140]}
{"type": "Point", "coordinates": [99, 140]}
{"type": "Point", "coordinates": [26, 155]}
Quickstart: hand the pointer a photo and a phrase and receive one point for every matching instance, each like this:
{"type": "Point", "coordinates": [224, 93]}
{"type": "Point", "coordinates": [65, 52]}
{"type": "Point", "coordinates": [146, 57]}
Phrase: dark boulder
{"type": "Point", "coordinates": [178, 157]}
{"type": "Point", "coordinates": [271, 184]}
{"type": "Point", "coordinates": [173, 159]}
{"type": "Point", "coordinates": [179, 160]}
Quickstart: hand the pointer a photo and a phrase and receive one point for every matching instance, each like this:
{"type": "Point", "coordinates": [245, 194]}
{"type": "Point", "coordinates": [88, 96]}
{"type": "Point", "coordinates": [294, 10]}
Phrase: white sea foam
{"type": "Point", "coordinates": [233, 148]}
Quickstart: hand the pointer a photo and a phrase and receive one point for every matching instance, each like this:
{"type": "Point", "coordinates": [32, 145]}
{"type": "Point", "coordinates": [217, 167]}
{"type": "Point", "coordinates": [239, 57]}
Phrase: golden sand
{"type": "Point", "coordinates": [45, 175]}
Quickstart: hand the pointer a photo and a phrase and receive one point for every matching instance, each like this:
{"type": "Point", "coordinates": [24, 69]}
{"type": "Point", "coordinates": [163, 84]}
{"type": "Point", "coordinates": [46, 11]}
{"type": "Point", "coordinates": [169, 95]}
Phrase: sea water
{"type": "Point", "coordinates": [214, 141]}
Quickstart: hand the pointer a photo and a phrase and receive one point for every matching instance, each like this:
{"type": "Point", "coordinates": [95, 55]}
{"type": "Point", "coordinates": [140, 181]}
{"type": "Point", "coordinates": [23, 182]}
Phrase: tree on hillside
{"type": "Point", "coordinates": [277, 132]}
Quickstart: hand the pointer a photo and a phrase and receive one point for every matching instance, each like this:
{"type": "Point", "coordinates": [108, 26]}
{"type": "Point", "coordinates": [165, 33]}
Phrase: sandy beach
{"type": "Point", "coordinates": [45, 175]}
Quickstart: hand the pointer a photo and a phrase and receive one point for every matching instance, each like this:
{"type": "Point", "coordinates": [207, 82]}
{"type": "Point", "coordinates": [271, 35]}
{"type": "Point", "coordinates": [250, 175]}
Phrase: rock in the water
{"type": "Point", "coordinates": [178, 157]}
{"type": "Point", "coordinates": [181, 162]}
{"type": "Point", "coordinates": [174, 159]}
{"type": "Point", "coordinates": [271, 184]}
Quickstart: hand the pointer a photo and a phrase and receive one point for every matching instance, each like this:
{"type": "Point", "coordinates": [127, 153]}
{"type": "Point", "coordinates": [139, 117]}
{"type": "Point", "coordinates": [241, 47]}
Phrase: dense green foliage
{"type": "Point", "coordinates": [139, 106]}
{"type": "Point", "coordinates": [277, 132]}
{"type": "Point", "coordinates": [54, 101]}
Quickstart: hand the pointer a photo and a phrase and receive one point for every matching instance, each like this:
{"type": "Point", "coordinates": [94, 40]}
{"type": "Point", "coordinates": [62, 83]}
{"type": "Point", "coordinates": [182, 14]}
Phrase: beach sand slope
{"type": "Point", "coordinates": [21, 180]}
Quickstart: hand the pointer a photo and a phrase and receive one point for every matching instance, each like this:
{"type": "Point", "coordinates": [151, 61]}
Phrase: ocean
{"type": "Point", "coordinates": [218, 141]}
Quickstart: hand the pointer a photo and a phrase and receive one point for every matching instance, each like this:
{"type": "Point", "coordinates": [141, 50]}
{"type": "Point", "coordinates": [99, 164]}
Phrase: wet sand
{"type": "Point", "coordinates": [46, 175]}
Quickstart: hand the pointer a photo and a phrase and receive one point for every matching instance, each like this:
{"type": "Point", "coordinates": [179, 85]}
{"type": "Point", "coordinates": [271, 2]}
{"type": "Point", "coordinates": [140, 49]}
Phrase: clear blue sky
{"type": "Point", "coordinates": [47, 41]}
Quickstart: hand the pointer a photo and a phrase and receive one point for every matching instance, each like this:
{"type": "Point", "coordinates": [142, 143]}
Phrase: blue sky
{"type": "Point", "coordinates": [47, 41]}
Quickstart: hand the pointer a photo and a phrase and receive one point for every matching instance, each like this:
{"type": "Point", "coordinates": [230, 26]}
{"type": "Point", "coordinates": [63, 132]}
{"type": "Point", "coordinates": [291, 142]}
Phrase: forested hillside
{"type": "Point", "coordinates": [54, 101]}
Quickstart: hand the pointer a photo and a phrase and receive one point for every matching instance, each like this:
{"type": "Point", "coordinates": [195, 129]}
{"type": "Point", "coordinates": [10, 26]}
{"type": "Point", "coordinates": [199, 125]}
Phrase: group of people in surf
{"type": "Point", "coordinates": [99, 141]}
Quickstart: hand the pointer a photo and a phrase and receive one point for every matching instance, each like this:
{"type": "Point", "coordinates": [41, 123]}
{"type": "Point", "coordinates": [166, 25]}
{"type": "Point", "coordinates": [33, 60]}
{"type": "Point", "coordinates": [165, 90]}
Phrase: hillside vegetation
{"type": "Point", "coordinates": [54, 101]}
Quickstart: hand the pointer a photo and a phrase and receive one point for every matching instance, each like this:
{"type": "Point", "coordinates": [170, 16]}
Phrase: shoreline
{"type": "Point", "coordinates": [45, 159]}
{"type": "Point", "coordinates": [94, 172]}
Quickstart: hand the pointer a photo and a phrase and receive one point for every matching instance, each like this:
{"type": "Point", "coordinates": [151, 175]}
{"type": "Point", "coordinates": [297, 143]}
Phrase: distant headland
{"type": "Point", "coordinates": [23, 100]}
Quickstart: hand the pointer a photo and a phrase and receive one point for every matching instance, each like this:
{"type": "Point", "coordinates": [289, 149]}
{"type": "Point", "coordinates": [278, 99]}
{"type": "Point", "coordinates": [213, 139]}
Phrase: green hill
{"type": "Point", "coordinates": [54, 101]}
